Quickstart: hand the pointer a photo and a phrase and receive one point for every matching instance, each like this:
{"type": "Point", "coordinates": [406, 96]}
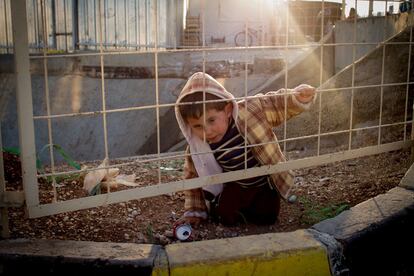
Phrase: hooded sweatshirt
{"type": "Point", "coordinates": [255, 119]}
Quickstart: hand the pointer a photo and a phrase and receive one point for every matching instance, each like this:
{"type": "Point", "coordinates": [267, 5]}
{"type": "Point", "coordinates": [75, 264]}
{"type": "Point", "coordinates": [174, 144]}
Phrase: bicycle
{"type": "Point", "coordinates": [252, 35]}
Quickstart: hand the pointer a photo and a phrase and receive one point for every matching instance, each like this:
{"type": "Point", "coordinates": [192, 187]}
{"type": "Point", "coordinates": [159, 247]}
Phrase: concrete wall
{"type": "Point", "coordinates": [227, 18]}
{"type": "Point", "coordinates": [368, 30]}
{"type": "Point", "coordinates": [75, 86]}
{"type": "Point", "coordinates": [368, 103]}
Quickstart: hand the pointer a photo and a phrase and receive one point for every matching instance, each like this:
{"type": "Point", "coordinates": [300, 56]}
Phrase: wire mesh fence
{"type": "Point", "coordinates": [117, 102]}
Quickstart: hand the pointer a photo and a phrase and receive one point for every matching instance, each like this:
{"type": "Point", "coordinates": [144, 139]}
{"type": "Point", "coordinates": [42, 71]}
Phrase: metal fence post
{"type": "Point", "coordinates": [24, 102]}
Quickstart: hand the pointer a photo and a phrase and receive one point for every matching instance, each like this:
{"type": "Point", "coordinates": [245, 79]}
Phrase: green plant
{"type": "Point", "coordinates": [62, 153]}
{"type": "Point", "coordinates": [40, 166]}
{"type": "Point", "coordinates": [315, 213]}
{"type": "Point", "coordinates": [149, 232]}
{"type": "Point", "coordinates": [16, 151]}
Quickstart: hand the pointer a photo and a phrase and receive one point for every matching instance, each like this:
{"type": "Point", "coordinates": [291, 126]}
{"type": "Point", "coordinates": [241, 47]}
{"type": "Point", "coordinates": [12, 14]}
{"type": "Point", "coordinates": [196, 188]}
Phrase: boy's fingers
{"type": "Point", "coordinates": [194, 221]}
{"type": "Point", "coordinates": [308, 91]}
{"type": "Point", "coordinates": [305, 94]}
{"type": "Point", "coordinates": [179, 221]}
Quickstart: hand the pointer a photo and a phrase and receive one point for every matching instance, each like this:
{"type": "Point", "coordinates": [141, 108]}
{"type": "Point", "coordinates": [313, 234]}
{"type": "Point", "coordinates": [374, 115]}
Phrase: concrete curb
{"type": "Point", "coordinates": [70, 257]}
{"type": "Point", "coordinates": [375, 235]}
{"type": "Point", "coordinates": [293, 253]}
{"type": "Point", "coordinates": [371, 238]}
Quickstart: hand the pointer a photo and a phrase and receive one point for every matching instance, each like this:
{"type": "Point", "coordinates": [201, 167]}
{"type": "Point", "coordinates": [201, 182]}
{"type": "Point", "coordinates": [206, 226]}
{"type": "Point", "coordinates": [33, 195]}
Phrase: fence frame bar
{"type": "Point", "coordinates": [24, 102]}
{"type": "Point", "coordinates": [187, 184]}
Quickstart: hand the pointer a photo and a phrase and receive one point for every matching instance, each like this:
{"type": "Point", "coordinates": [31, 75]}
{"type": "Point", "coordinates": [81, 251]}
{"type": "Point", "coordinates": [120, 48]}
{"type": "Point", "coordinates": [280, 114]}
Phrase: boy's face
{"type": "Point", "coordinates": [213, 124]}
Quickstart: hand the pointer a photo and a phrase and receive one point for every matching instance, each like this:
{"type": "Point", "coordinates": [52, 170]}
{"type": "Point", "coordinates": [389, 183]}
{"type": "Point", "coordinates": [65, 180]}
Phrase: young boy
{"type": "Point", "coordinates": [219, 129]}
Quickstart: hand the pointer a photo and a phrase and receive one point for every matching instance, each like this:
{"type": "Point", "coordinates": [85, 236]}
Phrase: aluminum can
{"type": "Point", "coordinates": [183, 232]}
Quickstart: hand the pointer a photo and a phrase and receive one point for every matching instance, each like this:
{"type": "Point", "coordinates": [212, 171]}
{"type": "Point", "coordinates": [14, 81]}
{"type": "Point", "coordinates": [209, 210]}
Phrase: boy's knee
{"type": "Point", "coordinates": [226, 216]}
{"type": "Point", "coordinates": [228, 219]}
{"type": "Point", "coordinates": [265, 219]}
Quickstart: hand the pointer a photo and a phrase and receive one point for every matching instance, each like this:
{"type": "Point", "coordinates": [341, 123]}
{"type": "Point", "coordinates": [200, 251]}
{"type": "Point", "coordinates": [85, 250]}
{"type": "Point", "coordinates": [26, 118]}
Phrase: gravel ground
{"type": "Point", "coordinates": [322, 192]}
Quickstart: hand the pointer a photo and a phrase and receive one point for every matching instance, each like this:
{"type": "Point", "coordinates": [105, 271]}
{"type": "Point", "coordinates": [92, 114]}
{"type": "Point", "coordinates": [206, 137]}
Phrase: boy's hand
{"type": "Point", "coordinates": [194, 221]}
{"type": "Point", "coordinates": [304, 93]}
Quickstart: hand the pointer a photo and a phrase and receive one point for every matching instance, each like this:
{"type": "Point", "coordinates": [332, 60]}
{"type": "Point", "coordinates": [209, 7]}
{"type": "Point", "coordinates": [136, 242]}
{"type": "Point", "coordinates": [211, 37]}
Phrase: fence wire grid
{"type": "Point", "coordinates": [363, 80]}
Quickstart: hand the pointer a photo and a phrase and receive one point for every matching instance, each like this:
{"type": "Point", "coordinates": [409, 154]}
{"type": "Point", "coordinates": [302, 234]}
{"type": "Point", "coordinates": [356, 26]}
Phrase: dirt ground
{"type": "Point", "coordinates": [322, 192]}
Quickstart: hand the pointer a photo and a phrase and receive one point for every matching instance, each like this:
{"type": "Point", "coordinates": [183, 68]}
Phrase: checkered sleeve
{"type": "Point", "coordinates": [194, 199]}
{"type": "Point", "coordinates": [282, 105]}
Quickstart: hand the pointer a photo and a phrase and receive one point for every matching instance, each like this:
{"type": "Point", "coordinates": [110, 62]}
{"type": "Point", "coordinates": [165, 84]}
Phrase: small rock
{"type": "Point", "coordinates": [299, 180]}
{"type": "Point", "coordinates": [292, 199]}
{"type": "Point", "coordinates": [169, 234]}
{"type": "Point", "coordinates": [163, 239]}
{"type": "Point", "coordinates": [203, 234]}
{"type": "Point", "coordinates": [140, 238]}
{"type": "Point", "coordinates": [219, 229]}
{"type": "Point", "coordinates": [230, 234]}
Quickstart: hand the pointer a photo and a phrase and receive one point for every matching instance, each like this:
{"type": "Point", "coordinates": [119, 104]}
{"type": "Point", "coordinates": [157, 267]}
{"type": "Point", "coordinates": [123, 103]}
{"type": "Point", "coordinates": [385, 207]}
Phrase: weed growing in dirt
{"type": "Point", "coordinates": [315, 213]}
{"type": "Point", "coordinates": [149, 232]}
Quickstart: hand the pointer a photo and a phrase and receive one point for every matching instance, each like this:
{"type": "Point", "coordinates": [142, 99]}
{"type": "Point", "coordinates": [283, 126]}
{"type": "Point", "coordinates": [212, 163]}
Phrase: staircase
{"type": "Point", "coordinates": [192, 31]}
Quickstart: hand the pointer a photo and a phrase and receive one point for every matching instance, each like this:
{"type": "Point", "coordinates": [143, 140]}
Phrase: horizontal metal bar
{"type": "Point", "coordinates": [187, 184]}
{"type": "Point", "coordinates": [175, 50]}
{"type": "Point", "coordinates": [119, 44]}
{"type": "Point", "coordinates": [341, 131]}
{"type": "Point", "coordinates": [211, 49]}
{"type": "Point", "coordinates": [171, 156]}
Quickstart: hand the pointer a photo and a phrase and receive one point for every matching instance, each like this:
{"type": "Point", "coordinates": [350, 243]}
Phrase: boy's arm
{"type": "Point", "coordinates": [194, 203]}
{"type": "Point", "coordinates": [298, 100]}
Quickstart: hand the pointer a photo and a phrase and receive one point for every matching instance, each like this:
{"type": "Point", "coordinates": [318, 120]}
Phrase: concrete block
{"type": "Point", "coordinates": [408, 180]}
{"type": "Point", "coordinates": [367, 213]}
{"type": "Point", "coordinates": [376, 234]}
{"type": "Point", "coordinates": [63, 257]}
{"type": "Point", "coordinates": [293, 253]}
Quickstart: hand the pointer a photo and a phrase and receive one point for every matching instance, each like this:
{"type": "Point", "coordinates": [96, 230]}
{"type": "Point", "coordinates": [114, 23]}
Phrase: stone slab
{"type": "Point", "coordinates": [367, 213]}
{"type": "Point", "coordinates": [293, 253]}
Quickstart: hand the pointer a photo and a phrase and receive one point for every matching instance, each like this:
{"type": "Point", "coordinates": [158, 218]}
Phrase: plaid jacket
{"type": "Point", "coordinates": [260, 114]}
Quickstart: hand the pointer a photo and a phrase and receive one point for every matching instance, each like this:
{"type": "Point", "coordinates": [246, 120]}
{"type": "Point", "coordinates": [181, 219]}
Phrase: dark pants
{"type": "Point", "coordinates": [259, 205]}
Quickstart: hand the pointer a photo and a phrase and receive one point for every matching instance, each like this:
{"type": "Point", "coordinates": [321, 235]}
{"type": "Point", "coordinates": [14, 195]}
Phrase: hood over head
{"type": "Point", "coordinates": [205, 162]}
